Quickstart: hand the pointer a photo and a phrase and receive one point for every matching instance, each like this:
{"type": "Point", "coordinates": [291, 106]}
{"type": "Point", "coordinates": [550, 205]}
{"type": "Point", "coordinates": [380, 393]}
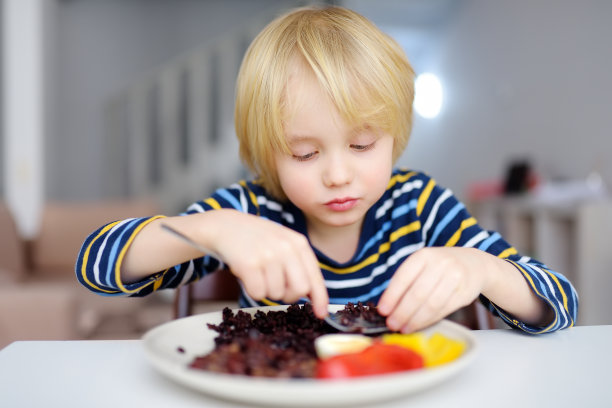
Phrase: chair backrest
{"type": "Point", "coordinates": [12, 256]}
{"type": "Point", "coordinates": [218, 286]}
{"type": "Point", "coordinates": [65, 225]}
{"type": "Point", "coordinates": [474, 316]}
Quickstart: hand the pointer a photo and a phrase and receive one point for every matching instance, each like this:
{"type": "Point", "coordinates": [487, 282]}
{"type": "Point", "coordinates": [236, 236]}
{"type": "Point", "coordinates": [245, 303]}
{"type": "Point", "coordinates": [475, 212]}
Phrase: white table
{"type": "Point", "coordinates": [570, 368]}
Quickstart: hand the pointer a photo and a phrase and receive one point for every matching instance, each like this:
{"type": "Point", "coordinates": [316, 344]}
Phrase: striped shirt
{"type": "Point", "coordinates": [414, 212]}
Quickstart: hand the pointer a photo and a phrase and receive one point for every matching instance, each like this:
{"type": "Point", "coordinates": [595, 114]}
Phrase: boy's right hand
{"type": "Point", "coordinates": [272, 261]}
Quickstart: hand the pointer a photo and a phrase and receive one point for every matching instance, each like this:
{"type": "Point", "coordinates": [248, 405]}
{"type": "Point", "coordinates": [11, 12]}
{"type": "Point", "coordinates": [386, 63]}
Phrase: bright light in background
{"type": "Point", "coordinates": [428, 95]}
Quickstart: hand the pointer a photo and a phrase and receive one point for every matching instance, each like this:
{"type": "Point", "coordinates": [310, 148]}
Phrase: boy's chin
{"type": "Point", "coordinates": [340, 220]}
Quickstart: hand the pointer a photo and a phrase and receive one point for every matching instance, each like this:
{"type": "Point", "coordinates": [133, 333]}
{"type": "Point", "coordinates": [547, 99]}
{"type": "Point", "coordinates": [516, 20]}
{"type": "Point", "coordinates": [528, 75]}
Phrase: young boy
{"type": "Point", "coordinates": [323, 111]}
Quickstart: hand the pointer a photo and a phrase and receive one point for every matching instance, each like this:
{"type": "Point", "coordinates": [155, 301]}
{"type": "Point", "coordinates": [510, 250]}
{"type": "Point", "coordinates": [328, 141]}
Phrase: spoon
{"type": "Point", "coordinates": [359, 325]}
{"type": "Point", "coordinates": [190, 241]}
{"type": "Point", "coordinates": [334, 319]}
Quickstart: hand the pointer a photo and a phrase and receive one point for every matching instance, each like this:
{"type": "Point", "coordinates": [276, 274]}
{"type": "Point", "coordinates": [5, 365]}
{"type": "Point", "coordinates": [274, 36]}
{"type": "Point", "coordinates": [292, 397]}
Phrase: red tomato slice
{"type": "Point", "coordinates": [378, 358]}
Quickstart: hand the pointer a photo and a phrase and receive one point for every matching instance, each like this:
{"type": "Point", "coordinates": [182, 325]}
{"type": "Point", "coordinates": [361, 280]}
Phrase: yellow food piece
{"type": "Point", "coordinates": [442, 349]}
{"type": "Point", "coordinates": [415, 341]}
{"type": "Point", "coordinates": [436, 350]}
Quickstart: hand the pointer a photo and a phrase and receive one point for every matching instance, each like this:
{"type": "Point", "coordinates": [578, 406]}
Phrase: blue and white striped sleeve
{"type": "Point", "coordinates": [446, 222]}
{"type": "Point", "coordinates": [550, 286]}
{"type": "Point", "coordinates": [98, 265]}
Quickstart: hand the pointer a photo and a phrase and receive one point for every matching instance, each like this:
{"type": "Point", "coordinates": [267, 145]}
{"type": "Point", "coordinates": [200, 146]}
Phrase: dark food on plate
{"type": "Point", "coordinates": [352, 312]}
{"type": "Point", "coordinates": [272, 344]}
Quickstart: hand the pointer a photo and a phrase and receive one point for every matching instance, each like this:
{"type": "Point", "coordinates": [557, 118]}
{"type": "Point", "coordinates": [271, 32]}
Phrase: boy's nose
{"type": "Point", "coordinates": [337, 172]}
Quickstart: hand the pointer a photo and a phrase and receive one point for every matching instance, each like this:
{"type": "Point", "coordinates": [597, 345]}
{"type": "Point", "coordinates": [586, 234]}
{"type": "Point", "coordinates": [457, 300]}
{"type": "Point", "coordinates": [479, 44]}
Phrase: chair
{"type": "Point", "coordinates": [216, 290]}
{"type": "Point", "coordinates": [474, 316]}
{"type": "Point", "coordinates": [29, 310]}
{"type": "Point", "coordinates": [65, 225]}
{"type": "Point", "coordinates": [53, 253]}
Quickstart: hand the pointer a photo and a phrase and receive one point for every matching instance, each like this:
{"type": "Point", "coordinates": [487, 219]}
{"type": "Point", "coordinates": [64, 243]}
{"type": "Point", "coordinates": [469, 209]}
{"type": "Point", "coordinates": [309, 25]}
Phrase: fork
{"type": "Point", "coordinates": [334, 319]}
{"type": "Point", "coordinates": [359, 325]}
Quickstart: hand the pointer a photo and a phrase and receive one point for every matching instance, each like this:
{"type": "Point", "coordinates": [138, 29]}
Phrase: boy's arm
{"type": "Point", "coordinates": [436, 281]}
{"type": "Point", "coordinates": [554, 289]}
{"type": "Point", "coordinates": [271, 260]}
{"type": "Point", "coordinates": [153, 249]}
{"type": "Point", "coordinates": [461, 262]}
{"type": "Point", "coordinates": [98, 265]}
{"type": "Point", "coordinates": [509, 289]}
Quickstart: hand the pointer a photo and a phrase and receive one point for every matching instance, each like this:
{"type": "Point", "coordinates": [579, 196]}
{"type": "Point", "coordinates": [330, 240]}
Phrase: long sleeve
{"type": "Point", "coordinates": [448, 223]}
{"type": "Point", "coordinates": [99, 261]}
{"type": "Point", "coordinates": [98, 265]}
{"type": "Point", "coordinates": [414, 212]}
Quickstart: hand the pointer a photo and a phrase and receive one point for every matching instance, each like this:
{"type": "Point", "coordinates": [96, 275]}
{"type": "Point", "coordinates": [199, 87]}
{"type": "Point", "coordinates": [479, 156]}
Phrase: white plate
{"type": "Point", "coordinates": [195, 339]}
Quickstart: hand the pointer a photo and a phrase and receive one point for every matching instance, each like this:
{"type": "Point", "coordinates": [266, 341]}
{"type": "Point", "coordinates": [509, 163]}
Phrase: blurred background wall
{"type": "Point", "coordinates": [521, 79]}
{"type": "Point", "coordinates": [105, 46]}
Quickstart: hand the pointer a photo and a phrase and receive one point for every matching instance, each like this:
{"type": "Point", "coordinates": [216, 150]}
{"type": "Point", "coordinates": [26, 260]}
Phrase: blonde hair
{"type": "Point", "coordinates": [365, 73]}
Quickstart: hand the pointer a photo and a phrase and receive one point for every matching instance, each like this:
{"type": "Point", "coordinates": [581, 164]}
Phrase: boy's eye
{"type": "Point", "coordinates": [304, 157]}
{"type": "Point", "coordinates": [361, 147]}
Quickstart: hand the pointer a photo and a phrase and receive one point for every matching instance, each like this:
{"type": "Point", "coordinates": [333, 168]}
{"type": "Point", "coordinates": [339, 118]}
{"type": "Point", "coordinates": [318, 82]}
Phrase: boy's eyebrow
{"type": "Point", "coordinates": [297, 138]}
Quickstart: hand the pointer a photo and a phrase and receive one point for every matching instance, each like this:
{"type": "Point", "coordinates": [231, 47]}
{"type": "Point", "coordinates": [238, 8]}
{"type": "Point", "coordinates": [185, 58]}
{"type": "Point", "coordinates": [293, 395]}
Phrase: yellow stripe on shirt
{"type": "Point", "coordinates": [507, 252]}
{"type": "Point", "coordinates": [86, 258]}
{"type": "Point", "coordinates": [252, 196]}
{"type": "Point", "coordinates": [535, 289]}
{"type": "Point", "coordinates": [405, 230]}
{"type": "Point", "coordinates": [122, 255]}
{"type": "Point", "coordinates": [399, 178]}
{"type": "Point", "coordinates": [268, 302]}
{"type": "Point", "coordinates": [562, 294]}
{"type": "Point", "coordinates": [158, 282]}
{"type": "Point", "coordinates": [468, 222]}
{"type": "Point", "coordinates": [425, 196]}
{"type": "Point", "coordinates": [213, 203]}
{"type": "Point", "coordinates": [384, 247]}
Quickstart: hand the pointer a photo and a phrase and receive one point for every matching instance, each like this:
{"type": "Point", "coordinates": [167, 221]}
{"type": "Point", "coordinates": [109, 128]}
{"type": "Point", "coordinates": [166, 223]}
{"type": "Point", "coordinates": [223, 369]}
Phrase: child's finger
{"type": "Point", "coordinates": [274, 277]}
{"type": "Point", "coordinates": [434, 308]}
{"type": "Point", "coordinates": [398, 285]}
{"type": "Point", "coordinates": [318, 291]}
{"type": "Point", "coordinates": [297, 281]}
{"type": "Point", "coordinates": [319, 298]}
{"type": "Point", "coordinates": [414, 298]}
{"type": "Point", "coordinates": [315, 288]}
{"type": "Point", "coordinates": [253, 283]}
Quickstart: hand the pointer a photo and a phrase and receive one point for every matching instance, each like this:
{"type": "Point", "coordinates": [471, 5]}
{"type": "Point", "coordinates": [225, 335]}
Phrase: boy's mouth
{"type": "Point", "coordinates": [341, 204]}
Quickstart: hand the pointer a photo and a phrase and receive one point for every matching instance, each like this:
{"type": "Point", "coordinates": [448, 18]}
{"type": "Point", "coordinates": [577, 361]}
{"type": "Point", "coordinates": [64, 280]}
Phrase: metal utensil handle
{"type": "Point", "coordinates": [190, 241]}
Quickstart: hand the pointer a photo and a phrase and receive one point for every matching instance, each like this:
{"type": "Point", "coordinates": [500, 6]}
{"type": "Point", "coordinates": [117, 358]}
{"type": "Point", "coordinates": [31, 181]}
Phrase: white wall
{"type": "Point", "coordinates": [104, 46]}
{"type": "Point", "coordinates": [522, 79]}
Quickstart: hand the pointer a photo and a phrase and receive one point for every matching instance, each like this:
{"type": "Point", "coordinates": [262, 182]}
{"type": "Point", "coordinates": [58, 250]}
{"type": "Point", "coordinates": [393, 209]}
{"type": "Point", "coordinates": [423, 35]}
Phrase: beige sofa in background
{"type": "Point", "coordinates": [40, 297]}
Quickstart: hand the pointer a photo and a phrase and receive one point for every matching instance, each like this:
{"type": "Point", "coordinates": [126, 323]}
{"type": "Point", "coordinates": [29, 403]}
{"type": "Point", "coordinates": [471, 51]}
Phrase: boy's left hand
{"type": "Point", "coordinates": [431, 284]}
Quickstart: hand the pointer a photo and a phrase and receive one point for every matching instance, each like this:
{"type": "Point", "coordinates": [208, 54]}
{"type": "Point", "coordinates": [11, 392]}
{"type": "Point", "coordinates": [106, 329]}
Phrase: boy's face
{"type": "Point", "coordinates": [335, 172]}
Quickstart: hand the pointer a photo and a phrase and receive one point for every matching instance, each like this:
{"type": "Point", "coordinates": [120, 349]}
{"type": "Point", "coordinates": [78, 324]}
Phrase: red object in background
{"type": "Point", "coordinates": [378, 358]}
{"type": "Point", "coordinates": [482, 190]}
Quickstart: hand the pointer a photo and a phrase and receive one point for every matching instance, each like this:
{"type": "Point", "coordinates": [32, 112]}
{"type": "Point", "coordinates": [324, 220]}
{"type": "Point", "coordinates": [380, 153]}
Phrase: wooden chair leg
{"type": "Point", "coordinates": [484, 318]}
{"type": "Point", "coordinates": [474, 316]}
{"type": "Point", "coordinates": [183, 302]}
